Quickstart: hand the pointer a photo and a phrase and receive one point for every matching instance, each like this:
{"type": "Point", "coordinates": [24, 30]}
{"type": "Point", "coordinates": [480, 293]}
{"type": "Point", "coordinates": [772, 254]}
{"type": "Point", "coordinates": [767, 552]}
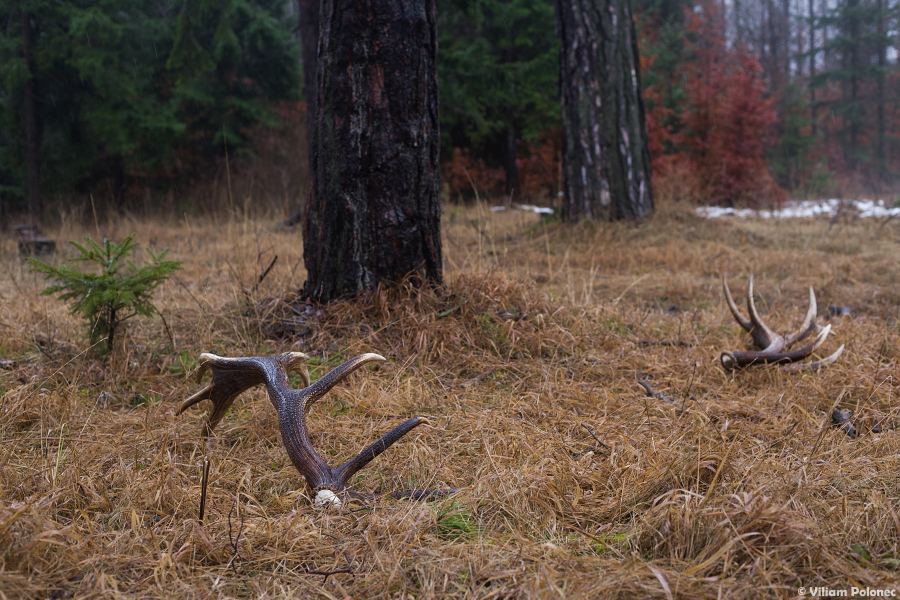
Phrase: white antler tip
{"type": "Point", "coordinates": [326, 498]}
{"type": "Point", "coordinates": [727, 360]}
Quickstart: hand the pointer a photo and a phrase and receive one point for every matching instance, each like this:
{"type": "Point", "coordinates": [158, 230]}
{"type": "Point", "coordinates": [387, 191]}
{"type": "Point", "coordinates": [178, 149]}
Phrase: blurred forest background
{"type": "Point", "coordinates": [196, 105]}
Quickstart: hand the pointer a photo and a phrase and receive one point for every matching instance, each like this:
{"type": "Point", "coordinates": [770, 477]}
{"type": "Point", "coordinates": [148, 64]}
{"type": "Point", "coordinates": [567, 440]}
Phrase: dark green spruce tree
{"type": "Point", "coordinates": [103, 96]}
{"type": "Point", "coordinates": [498, 74]}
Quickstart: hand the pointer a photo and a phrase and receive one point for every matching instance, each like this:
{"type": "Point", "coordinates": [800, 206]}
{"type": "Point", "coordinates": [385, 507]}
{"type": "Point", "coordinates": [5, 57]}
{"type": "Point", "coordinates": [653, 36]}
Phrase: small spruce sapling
{"type": "Point", "coordinates": [119, 291]}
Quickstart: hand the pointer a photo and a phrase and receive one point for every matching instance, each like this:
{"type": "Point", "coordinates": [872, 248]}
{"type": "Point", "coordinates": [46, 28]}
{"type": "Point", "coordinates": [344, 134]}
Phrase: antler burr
{"type": "Point", "coordinates": [232, 376]}
{"type": "Point", "coordinates": [772, 347]}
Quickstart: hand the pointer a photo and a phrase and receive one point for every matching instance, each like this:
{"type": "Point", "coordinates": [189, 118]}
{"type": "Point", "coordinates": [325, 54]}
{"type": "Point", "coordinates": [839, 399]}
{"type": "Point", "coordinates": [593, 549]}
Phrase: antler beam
{"type": "Point", "coordinates": [772, 347]}
{"type": "Point", "coordinates": [233, 376]}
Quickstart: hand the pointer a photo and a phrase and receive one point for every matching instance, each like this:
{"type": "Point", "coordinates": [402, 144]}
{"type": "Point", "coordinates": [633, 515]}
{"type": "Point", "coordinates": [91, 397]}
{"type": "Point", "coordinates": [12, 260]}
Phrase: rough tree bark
{"type": "Point", "coordinates": [374, 214]}
{"type": "Point", "coordinates": [606, 161]}
{"type": "Point", "coordinates": [32, 126]}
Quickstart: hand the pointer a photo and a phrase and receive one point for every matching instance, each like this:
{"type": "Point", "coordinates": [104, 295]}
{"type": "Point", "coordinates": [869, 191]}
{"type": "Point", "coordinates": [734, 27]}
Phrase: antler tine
{"type": "Point", "coordinates": [811, 347]}
{"type": "Point", "coordinates": [763, 336]}
{"type": "Point", "coordinates": [322, 386]}
{"type": "Point", "coordinates": [742, 321]}
{"type": "Point", "coordinates": [816, 364]}
{"type": "Point", "coordinates": [296, 362]}
{"type": "Point", "coordinates": [809, 322]}
{"type": "Point", "coordinates": [365, 456]}
{"type": "Point", "coordinates": [198, 397]}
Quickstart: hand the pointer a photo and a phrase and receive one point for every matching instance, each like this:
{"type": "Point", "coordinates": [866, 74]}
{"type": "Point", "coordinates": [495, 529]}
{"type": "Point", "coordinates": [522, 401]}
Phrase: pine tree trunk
{"type": "Point", "coordinates": [825, 130]}
{"type": "Point", "coordinates": [510, 167]}
{"type": "Point", "coordinates": [786, 41]}
{"type": "Point", "coordinates": [853, 66]}
{"type": "Point", "coordinates": [32, 128]}
{"type": "Point", "coordinates": [881, 125]}
{"type": "Point", "coordinates": [813, 109]}
{"type": "Point", "coordinates": [374, 214]}
{"type": "Point", "coordinates": [606, 161]}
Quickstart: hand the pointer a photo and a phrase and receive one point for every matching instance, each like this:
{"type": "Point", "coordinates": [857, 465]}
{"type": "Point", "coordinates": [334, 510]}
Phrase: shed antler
{"type": "Point", "coordinates": [772, 347]}
{"type": "Point", "coordinates": [232, 376]}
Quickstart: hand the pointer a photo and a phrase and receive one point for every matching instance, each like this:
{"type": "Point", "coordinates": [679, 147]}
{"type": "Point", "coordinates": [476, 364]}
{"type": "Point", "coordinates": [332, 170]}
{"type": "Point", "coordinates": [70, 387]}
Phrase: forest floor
{"type": "Point", "coordinates": [574, 483]}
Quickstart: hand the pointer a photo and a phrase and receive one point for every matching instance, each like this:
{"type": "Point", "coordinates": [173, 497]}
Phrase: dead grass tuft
{"type": "Point", "coordinates": [576, 483]}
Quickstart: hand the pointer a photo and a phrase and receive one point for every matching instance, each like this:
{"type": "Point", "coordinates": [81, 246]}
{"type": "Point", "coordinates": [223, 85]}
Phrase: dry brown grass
{"type": "Point", "coordinates": [739, 489]}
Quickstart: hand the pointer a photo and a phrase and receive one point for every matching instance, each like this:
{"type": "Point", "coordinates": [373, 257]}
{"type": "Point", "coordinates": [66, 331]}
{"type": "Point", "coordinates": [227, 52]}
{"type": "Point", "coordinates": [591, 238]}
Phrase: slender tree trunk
{"type": "Point", "coordinates": [827, 131]}
{"type": "Point", "coordinates": [799, 39]}
{"type": "Point", "coordinates": [881, 125]}
{"type": "Point", "coordinates": [510, 167]}
{"type": "Point", "coordinates": [825, 9]}
{"type": "Point", "coordinates": [606, 161]}
{"type": "Point", "coordinates": [777, 35]}
{"type": "Point", "coordinates": [786, 40]}
{"type": "Point", "coordinates": [812, 67]}
{"type": "Point", "coordinates": [853, 67]}
{"type": "Point", "coordinates": [374, 214]}
{"type": "Point", "coordinates": [32, 126]}
{"type": "Point", "coordinates": [120, 184]}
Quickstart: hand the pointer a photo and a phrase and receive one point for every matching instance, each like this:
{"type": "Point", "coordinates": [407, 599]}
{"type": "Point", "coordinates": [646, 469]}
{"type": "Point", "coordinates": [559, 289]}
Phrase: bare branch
{"type": "Point", "coordinates": [644, 382]}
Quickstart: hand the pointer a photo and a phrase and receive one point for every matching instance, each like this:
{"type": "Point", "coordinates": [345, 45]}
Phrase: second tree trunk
{"type": "Point", "coordinates": [606, 162]}
{"type": "Point", "coordinates": [374, 214]}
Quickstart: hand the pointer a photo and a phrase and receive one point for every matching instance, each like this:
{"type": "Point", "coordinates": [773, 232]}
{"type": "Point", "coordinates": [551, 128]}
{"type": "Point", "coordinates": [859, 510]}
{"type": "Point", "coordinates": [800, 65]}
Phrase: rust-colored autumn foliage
{"type": "Point", "coordinates": [660, 138]}
{"type": "Point", "coordinates": [467, 176]}
{"type": "Point", "coordinates": [728, 119]}
{"type": "Point", "coordinates": [539, 168]}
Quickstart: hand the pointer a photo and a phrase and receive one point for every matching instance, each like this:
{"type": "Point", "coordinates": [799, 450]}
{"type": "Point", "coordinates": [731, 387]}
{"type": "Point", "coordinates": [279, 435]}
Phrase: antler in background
{"type": "Point", "coordinates": [232, 376]}
{"type": "Point", "coordinates": [772, 347]}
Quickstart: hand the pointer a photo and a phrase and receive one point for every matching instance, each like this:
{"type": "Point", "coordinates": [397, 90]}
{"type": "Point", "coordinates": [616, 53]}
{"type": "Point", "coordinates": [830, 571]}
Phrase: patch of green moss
{"type": "Point", "coordinates": [455, 522]}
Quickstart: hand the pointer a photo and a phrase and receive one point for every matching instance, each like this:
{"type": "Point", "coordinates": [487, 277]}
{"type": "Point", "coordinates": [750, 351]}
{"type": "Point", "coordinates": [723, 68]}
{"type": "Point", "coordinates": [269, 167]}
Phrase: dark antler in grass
{"type": "Point", "coordinates": [772, 347]}
{"type": "Point", "coordinates": [232, 376]}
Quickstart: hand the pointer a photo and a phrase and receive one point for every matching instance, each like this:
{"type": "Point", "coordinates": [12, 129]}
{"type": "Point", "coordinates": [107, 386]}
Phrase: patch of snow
{"type": "Point", "coordinates": [538, 210]}
{"type": "Point", "coordinates": [804, 209]}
